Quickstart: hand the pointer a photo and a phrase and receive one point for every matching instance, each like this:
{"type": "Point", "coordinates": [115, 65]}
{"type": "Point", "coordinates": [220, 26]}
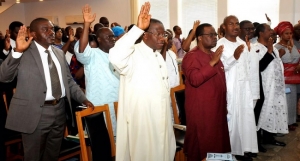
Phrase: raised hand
{"type": "Point", "coordinates": [7, 40]}
{"type": "Point", "coordinates": [71, 35]}
{"type": "Point", "coordinates": [248, 42]}
{"type": "Point", "coordinates": [238, 51]}
{"type": "Point", "coordinates": [144, 17]}
{"type": "Point", "coordinates": [270, 45]}
{"type": "Point", "coordinates": [21, 43]}
{"type": "Point", "coordinates": [268, 19]}
{"type": "Point", "coordinates": [216, 56]}
{"type": "Point", "coordinates": [196, 24]}
{"type": "Point", "coordinates": [87, 15]}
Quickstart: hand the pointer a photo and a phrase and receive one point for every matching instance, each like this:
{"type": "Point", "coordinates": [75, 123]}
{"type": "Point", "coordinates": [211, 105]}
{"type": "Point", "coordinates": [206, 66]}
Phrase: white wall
{"type": "Point", "coordinates": [114, 10]}
{"type": "Point", "coordinates": [14, 13]}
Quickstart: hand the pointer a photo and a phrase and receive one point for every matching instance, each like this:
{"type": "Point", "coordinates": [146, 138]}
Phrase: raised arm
{"type": "Point", "coordinates": [9, 67]}
{"type": "Point", "coordinates": [120, 54]}
{"type": "Point", "coordinates": [88, 18]}
{"type": "Point", "coordinates": [70, 40]}
{"type": "Point", "coordinates": [186, 44]}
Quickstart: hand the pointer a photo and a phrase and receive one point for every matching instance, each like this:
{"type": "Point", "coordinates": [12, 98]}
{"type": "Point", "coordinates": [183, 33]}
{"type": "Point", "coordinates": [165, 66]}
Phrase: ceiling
{"type": "Point", "coordinates": [8, 3]}
{"type": "Point", "coordinates": [25, 1]}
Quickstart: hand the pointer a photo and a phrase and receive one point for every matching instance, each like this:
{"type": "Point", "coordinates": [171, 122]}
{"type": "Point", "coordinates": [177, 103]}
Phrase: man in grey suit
{"type": "Point", "coordinates": [45, 84]}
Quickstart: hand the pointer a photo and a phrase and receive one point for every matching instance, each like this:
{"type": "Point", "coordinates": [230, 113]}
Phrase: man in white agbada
{"type": "Point", "coordinates": [241, 122]}
{"type": "Point", "coordinates": [144, 126]}
{"type": "Point", "coordinates": [245, 36]}
{"type": "Point", "coordinates": [273, 115]}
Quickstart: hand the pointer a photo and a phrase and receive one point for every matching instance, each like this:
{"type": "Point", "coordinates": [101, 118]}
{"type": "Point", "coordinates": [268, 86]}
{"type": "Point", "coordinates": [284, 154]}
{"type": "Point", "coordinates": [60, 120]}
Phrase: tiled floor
{"type": "Point", "coordinates": [291, 152]}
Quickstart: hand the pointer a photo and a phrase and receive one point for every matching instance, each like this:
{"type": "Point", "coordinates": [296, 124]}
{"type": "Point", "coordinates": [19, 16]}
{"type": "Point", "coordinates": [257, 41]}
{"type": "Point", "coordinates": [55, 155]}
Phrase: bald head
{"type": "Point", "coordinates": [105, 38]}
{"type": "Point", "coordinates": [226, 19]}
{"type": "Point", "coordinates": [35, 23]}
{"type": "Point", "coordinates": [231, 27]}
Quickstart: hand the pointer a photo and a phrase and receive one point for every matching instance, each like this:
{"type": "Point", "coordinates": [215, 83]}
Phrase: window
{"type": "Point", "coordinates": [159, 10]}
{"type": "Point", "coordinates": [190, 10]}
{"type": "Point", "coordinates": [255, 10]}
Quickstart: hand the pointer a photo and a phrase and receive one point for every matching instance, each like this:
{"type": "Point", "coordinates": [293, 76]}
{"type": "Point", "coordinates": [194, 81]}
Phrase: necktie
{"type": "Point", "coordinates": [55, 83]}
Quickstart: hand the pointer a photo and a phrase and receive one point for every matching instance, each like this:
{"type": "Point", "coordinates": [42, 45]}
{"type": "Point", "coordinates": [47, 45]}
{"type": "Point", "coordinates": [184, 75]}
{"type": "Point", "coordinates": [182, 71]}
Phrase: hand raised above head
{"type": "Point", "coordinates": [268, 19]}
{"type": "Point", "coordinates": [144, 17]}
{"type": "Point", "coordinates": [21, 43]}
{"type": "Point", "coordinates": [87, 14]}
{"type": "Point", "coordinates": [196, 24]}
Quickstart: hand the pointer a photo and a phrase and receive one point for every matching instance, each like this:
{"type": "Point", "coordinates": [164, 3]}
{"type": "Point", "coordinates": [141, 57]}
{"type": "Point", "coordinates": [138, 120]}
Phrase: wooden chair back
{"type": "Point", "coordinates": [173, 93]}
{"type": "Point", "coordinates": [90, 116]}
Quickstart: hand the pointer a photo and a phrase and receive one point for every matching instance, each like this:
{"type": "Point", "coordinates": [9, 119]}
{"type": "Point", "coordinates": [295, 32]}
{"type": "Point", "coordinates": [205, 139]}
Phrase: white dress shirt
{"type": "Point", "coordinates": [44, 58]}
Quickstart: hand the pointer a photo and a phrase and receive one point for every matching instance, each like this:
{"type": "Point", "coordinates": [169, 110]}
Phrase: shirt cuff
{"type": "Point", "coordinates": [5, 52]}
{"type": "Point", "coordinates": [16, 55]}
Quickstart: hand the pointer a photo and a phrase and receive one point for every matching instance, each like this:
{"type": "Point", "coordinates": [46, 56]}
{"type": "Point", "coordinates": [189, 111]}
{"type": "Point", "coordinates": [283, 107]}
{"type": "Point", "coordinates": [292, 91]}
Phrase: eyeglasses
{"type": "Point", "coordinates": [249, 28]}
{"type": "Point", "coordinates": [164, 35]}
{"type": "Point", "coordinates": [210, 34]}
{"type": "Point", "coordinates": [110, 36]}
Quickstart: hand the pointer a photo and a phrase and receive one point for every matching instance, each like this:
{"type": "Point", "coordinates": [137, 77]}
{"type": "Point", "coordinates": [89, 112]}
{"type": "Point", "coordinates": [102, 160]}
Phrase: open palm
{"type": "Point", "coordinates": [144, 17]}
{"type": "Point", "coordinates": [87, 15]}
{"type": "Point", "coordinates": [21, 43]}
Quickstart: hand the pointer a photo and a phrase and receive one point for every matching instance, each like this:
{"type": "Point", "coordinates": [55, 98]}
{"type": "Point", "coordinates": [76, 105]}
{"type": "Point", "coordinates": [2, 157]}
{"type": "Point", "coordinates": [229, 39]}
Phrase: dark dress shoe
{"type": "Point", "coordinates": [292, 128]}
{"type": "Point", "coordinates": [276, 143]}
{"type": "Point", "coordinates": [295, 124]}
{"type": "Point", "coordinates": [252, 155]}
{"type": "Point", "coordinates": [243, 158]}
{"type": "Point", "coordinates": [261, 148]}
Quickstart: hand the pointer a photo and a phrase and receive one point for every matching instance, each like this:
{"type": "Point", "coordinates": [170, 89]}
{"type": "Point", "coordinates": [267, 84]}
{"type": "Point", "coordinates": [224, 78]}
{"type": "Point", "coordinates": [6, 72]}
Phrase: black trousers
{"type": "Point", "coordinates": [45, 142]}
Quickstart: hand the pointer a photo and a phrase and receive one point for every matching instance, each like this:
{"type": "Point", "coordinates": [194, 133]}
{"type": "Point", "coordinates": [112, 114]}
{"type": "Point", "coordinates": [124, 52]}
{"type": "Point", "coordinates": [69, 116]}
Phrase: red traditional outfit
{"type": "Point", "coordinates": [205, 96]}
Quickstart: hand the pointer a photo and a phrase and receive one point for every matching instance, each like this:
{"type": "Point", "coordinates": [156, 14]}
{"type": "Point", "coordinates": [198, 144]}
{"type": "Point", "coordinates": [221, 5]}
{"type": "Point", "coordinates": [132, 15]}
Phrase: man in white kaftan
{"type": "Point", "coordinates": [144, 126]}
{"type": "Point", "coordinates": [241, 121]}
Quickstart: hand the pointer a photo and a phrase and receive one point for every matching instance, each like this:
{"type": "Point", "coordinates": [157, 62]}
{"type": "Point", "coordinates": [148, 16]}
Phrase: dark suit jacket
{"type": "Point", "coordinates": [27, 103]}
{"type": "Point", "coordinates": [2, 44]}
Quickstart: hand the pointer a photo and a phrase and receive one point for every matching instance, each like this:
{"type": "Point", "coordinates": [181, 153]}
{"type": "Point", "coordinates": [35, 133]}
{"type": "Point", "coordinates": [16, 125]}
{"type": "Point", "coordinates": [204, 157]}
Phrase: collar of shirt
{"type": "Point", "coordinates": [41, 49]}
{"type": "Point", "coordinates": [44, 58]}
{"type": "Point", "coordinates": [12, 43]}
{"type": "Point", "coordinates": [147, 48]}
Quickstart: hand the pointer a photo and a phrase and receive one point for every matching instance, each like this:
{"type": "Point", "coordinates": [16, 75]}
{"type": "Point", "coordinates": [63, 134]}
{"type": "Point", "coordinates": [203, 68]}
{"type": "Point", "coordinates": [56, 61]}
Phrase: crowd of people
{"type": "Point", "coordinates": [241, 85]}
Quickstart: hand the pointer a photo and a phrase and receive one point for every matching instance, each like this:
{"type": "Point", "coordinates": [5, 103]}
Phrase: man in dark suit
{"type": "Point", "coordinates": [37, 109]}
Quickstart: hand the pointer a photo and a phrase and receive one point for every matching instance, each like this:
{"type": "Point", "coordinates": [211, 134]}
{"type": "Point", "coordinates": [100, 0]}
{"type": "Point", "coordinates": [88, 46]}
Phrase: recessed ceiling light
{"type": "Point", "coordinates": [18, 1]}
{"type": "Point", "coordinates": [41, 0]}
